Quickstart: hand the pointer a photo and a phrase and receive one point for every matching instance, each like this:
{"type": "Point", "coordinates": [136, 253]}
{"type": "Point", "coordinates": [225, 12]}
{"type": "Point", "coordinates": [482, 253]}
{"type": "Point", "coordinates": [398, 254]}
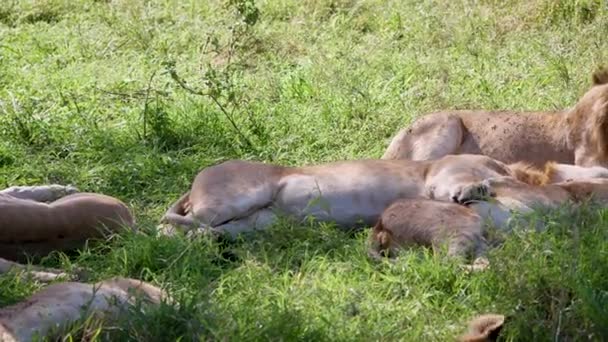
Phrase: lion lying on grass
{"type": "Point", "coordinates": [463, 228]}
{"type": "Point", "coordinates": [31, 226]}
{"type": "Point", "coordinates": [56, 306]}
{"type": "Point", "coordinates": [575, 136]}
{"type": "Point", "coordinates": [239, 196]}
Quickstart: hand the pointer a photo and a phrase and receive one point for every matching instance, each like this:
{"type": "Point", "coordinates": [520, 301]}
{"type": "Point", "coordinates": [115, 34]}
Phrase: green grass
{"type": "Point", "coordinates": [87, 98]}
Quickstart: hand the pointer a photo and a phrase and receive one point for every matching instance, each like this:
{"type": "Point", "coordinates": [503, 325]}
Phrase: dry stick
{"type": "Point", "coordinates": [189, 89]}
{"type": "Point", "coordinates": [137, 94]}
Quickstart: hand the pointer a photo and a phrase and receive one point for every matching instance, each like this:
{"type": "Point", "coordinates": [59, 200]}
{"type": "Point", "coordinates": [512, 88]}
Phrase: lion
{"type": "Point", "coordinates": [58, 305]}
{"type": "Point", "coordinates": [484, 328]}
{"type": "Point", "coordinates": [462, 229]}
{"type": "Point", "coordinates": [239, 196]}
{"type": "Point", "coordinates": [574, 136]}
{"type": "Point", "coordinates": [32, 227]}
{"type": "Point", "coordinates": [32, 272]}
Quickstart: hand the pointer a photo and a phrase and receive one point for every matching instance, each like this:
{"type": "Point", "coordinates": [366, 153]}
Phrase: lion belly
{"type": "Point", "coordinates": [346, 198]}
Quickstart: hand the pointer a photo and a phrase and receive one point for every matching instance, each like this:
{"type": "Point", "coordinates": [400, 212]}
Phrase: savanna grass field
{"type": "Point", "coordinates": [132, 98]}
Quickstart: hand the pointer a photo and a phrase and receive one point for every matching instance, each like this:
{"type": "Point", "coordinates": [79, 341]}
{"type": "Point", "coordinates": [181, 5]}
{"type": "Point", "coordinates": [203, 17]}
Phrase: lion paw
{"type": "Point", "coordinates": [203, 231]}
{"type": "Point", "coordinates": [473, 192]}
{"type": "Point", "coordinates": [70, 189]}
{"type": "Point", "coordinates": [478, 265]}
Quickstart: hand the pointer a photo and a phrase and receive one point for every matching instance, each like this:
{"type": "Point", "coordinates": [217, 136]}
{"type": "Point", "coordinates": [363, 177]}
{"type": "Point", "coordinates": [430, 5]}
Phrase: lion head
{"type": "Point", "coordinates": [588, 124]}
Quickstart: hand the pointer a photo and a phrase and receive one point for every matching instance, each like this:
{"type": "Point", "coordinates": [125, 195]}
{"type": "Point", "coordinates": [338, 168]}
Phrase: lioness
{"type": "Point", "coordinates": [435, 224]}
{"type": "Point", "coordinates": [60, 304]}
{"type": "Point", "coordinates": [238, 196]}
{"type": "Point", "coordinates": [32, 227]}
{"type": "Point", "coordinates": [575, 136]}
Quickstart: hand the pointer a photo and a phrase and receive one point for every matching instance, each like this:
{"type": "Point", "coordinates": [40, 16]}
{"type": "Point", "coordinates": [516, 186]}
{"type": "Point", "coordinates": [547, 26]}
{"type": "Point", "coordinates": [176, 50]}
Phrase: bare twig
{"type": "Point", "coordinates": [145, 112]}
{"type": "Point", "coordinates": [137, 94]}
{"type": "Point", "coordinates": [215, 100]}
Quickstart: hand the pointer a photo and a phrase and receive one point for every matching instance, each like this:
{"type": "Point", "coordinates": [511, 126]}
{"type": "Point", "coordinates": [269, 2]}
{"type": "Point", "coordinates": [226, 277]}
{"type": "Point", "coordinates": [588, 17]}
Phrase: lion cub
{"type": "Point", "coordinates": [408, 222]}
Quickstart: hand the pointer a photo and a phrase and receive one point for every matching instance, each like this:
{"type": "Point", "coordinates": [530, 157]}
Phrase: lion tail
{"type": "Point", "coordinates": [527, 173]}
{"type": "Point", "coordinates": [177, 214]}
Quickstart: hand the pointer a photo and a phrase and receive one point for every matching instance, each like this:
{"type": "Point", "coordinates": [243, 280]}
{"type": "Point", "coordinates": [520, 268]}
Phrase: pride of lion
{"type": "Point", "coordinates": [441, 183]}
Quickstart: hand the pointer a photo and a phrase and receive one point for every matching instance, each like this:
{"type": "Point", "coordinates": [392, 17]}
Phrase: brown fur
{"type": "Point", "coordinates": [553, 172]}
{"type": "Point", "coordinates": [593, 189]}
{"type": "Point", "coordinates": [36, 273]}
{"type": "Point", "coordinates": [484, 328]}
{"type": "Point", "coordinates": [62, 303]}
{"type": "Point", "coordinates": [410, 222]}
{"type": "Point", "coordinates": [529, 174]}
{"type": "Point", "coordinates": [238, 196]}
{"type": "Point", "coordinates": [575, 136]}
{"type": "Point", "coordinates": [35, 228]}
{"type": "Point", "coordinates": [600, 77]}
{"type": "Point", "coordinates": [549, 171]}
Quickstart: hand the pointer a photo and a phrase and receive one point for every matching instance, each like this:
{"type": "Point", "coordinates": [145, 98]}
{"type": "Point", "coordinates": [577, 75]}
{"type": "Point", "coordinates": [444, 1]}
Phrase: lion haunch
{"type": "Point", "coordinates": [37, 228]}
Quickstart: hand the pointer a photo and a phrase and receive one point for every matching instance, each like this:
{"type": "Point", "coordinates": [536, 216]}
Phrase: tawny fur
{"type": "Point", "coordinates": [530, 174]}
{"type": "Point", "coordinates": [462, 229]}
{"type": "Point", "coordinates": [574, 136]}
{"type": "Point", "coordinates": [553, 172]}
{"type": "Point", "coordinates": [419, 222]}
{"type": "Point", "coordinates": [600, 76]}
{"type": "Point", "coordinates": [36, 273]}
{"type": "Point", "coordinates": [484, 328]}
{"type": "Point", "coordinates": [31, 228]}
{"type": "Point", "coordinates": [238, 196]}
{"type": "Point", "coordinates": [62, 303]}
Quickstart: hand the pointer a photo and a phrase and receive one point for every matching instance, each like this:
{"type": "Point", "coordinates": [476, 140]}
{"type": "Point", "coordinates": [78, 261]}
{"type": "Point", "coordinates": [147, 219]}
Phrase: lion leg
{"type": "Point", "coordinates": [467, 245]}
{"type": "Point", "coordinates": [480, 261]}
{"type": "Point", "coordinates": [259, 220]}
{"type": "Point", "coordinates": [429, 138]}
{"type": "Point", "coordinates": [40, 193]}
{"type": "Point", "coordinates": [470, 245]}
{"type": "Point", "coordinates": [38, 274]}
{"type": "Point", "coordinates": [52, 309]}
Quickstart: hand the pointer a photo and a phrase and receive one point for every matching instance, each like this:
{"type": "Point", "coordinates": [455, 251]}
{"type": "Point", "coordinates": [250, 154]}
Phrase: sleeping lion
{"type": "Point", "coordinates": [574, 136]}
{"type": "Point", "coordinates": [463, 229]}
{"type": "Point", "coordinates": [239, 196]}
{"type": "Point", "coordinates": [48, 313]}
{"type": "Point", "coordinates": [37, 220]}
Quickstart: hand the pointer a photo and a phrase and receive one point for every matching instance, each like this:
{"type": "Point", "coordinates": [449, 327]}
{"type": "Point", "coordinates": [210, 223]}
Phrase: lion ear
{"type": "Point", "coordinates": [484, 328]}
{"type": "Point", "coordinates": [600, 76]}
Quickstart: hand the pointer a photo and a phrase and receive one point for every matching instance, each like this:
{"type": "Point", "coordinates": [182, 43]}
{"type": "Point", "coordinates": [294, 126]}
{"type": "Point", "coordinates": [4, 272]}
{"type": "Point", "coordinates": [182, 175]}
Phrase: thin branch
{"type": "Point", "coordinates": [134, 94]}
{"type": "Point", "coordinates": [221, 107]}
{"type": "Point", "coordinates": [145, 112]}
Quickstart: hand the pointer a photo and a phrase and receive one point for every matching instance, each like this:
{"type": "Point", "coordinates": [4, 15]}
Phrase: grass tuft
{"type": "Point", "coordinates": [87, 97]}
